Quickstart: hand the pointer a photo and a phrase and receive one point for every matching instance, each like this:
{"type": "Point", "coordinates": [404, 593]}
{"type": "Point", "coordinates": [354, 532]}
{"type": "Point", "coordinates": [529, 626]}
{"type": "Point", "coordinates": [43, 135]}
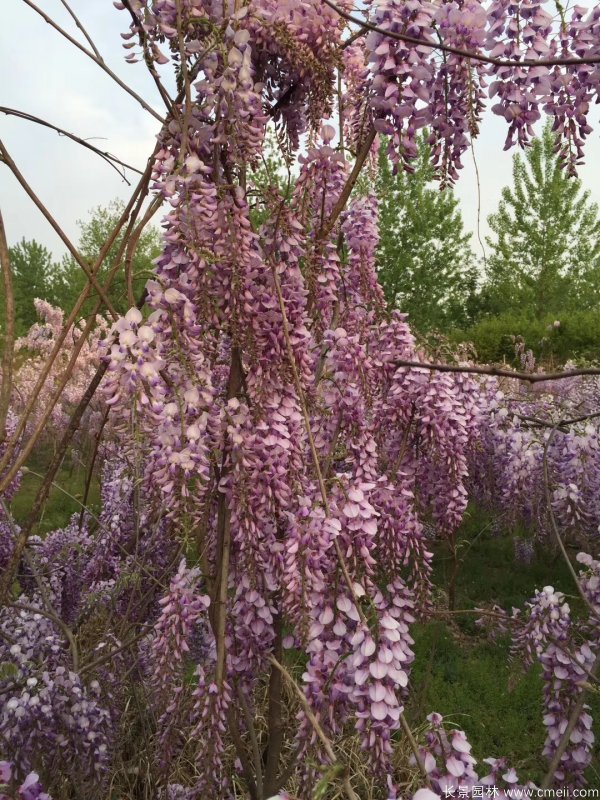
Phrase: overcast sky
{"type": "Point", "coordinates": [42, 74]}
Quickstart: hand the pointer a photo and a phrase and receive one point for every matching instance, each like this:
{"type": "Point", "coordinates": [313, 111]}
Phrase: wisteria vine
{"type": "Point", "coordinates": [271, 472]}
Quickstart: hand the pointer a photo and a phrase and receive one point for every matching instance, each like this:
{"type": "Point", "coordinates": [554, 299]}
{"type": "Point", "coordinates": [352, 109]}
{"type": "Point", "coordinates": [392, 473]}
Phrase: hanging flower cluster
{"type": "Point", "coordinates": [547, 636]}
{"type": "Point", "coordinates": [36, 345]}
{"type": "Point", "coordinates": [270, 468]}
{"type": "Point", "coordinates": [452, 770]}
{"type": "Point", "coordinates": [526, 456]}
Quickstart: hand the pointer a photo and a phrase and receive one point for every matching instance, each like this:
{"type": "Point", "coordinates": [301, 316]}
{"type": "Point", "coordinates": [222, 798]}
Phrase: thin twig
{"type": "Point", "coordinates": [351, 794]}
{"type": "Point", "coordinates": [95, 59]}
{"type": "Point", "coordinates": [415, 748]}
{"type": "Point", "coordinates": [478, 182]}
{"type": "Point", "coordinates": [564, 423]}
{"type": "Point", "coordinates": [82, 29]}
{"type": "Point", "coordinates": [529, 377]}
{"type": "Point", "coordinates": [132, 243]}
{"type": "Point", "coordinates": [90, 274]}
{"type": "Point", "coordinates": [108, 157]}
{"type": "Point", "coordinates": [340, 204]}
{"type": "Point", "coordinates": [90, 471]}
{"type": "Point", "coordinates": [457, 51]}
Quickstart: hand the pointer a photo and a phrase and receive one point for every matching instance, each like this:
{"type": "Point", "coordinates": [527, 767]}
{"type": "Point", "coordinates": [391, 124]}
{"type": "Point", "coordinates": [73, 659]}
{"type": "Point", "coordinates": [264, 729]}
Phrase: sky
{"type": "Point", "coordinates": [42, 74]}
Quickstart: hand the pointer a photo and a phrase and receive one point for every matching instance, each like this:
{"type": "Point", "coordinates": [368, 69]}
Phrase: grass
{"type": "Point", "coordinates": [459, 670]}
{"type": "Point", "coordinates": [465, 674]}
{"type": "Point", "coordinates": [472, 685]}
{"type": "Point", "coordinates": [491, 574]}
{"type": "Point", "coordinates": [60, 506]}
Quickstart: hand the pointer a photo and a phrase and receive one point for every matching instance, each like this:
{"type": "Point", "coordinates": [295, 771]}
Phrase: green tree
{"type": "Point", "coordinates": [426, 265]}
{"type": "Point", "coordinates": [34, 276]}
{"type": "Point", "coordinates": [94, 233]}
{"type": "Point", "coordinates": [545, 248]}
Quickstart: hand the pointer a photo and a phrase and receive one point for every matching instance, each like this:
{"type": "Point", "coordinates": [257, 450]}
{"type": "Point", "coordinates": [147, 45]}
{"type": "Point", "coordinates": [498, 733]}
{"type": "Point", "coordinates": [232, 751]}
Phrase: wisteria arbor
{"type": "Point", "coordinates": [240, 609]}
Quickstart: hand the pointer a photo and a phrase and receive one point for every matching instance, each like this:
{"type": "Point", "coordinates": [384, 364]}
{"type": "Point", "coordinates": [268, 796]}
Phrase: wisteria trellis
{"type": "Point", "coordinates": [267, 465]}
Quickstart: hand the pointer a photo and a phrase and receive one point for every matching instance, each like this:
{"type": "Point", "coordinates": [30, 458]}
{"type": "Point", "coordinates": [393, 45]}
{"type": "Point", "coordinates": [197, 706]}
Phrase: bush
{"type": "Point", "coordinates": [577, 337]}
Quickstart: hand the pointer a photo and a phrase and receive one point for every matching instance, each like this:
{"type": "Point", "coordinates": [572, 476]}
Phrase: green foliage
{"type": "Point", "coordinates": [94, 233]}
{"type": "Point", "coordinates": [577, 337]}
{"type": "Point", "coordinates": [426, 265]}
{"type": "Point", "coordinates": [60, 506]}
{"type": "Point", "coordinates": [546, 244]}
{"type": "Point", "coordinates": [468, 676]}
{"type": "Point", "coordinates": [470, 682]}
{"type": "Point", "coordinates": [34, 276]}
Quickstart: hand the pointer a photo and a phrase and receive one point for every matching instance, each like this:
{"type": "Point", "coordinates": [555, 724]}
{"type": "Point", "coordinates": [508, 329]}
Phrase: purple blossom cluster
{"type": "Point", "coordinates": [263, 350]}
{"type": "Point", "coordinates": [28, 789]}
{"type": "Point", "coordinates": [452, 770]}
{"type": "Point", "coordinates": [524, 550]}
{"type": "Point", "coordinates": [50, 711]}
{"type": "Point", "coordinates": [548, 635]}
{"type": "Point", "coordinates": [517, 436]}
{"type": "Point", "coordinates": [78, 585]}
{"type": "Point", "coordinates": [262, 424]}
{"type": "Point", "coordinates": [181, 610]}
{"type": "Point", "coordinates": [413, 87]}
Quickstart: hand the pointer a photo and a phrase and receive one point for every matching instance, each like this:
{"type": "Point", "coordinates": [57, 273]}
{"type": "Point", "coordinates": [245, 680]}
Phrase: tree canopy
{"type": "Point", "coordinates": [94, 233]}
{"type": "Point", "coordinates": [34, 276]}
{"type": "Point", "coordinates": [425, 261]}
{"type": "Point", "coordinates": [545, 243]}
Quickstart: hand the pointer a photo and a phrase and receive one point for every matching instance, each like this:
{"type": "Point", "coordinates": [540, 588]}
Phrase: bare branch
{"type": "Point", "coordinates": [90, 275]}
{"type": "Point", "coordinates": [95, 59]}
{"type": "Point", "coordinates": [82, 29]}
{"type": "Point", "coordinates": [415, 748]}
{"type": "Point", "coordinates": [253, 740]}
{"type": "Point", "coordinates": [132, 244]}
{"type": "Point", "coordinates": [529, 377]}
{"type": "Point", "coordinates": [563, 423]}
{"type": "Point", "coordinates": [108, 157]}
{"type": "Point", "coordinates": [274, 715]}
{"type": "Point", "coordinates": [327, 226]}
{"type": "Point", "coordinates": [457, 51]}
{"type": "Point", "coordinates": [234, 385]}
